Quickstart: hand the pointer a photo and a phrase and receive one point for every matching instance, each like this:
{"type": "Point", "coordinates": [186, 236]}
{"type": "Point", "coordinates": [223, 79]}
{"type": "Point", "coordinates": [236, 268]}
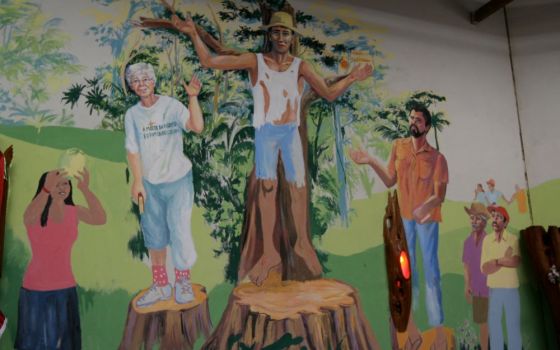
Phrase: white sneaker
{"type": "Point", "coordinates": [183, 291]}
{"type": "Point", "coordinates": [153, 295]}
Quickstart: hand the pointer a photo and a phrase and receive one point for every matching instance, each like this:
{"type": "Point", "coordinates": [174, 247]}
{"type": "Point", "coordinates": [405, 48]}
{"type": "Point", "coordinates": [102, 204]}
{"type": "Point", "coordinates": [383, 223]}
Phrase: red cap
{"type": "Point", "coordinates": [500, 210]}
{"type": "Point", "coordinates": [491, 182]}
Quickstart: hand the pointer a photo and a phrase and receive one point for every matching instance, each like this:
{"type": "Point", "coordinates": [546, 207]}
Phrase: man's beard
{"type": "Point", "coordinates": [415, 132]}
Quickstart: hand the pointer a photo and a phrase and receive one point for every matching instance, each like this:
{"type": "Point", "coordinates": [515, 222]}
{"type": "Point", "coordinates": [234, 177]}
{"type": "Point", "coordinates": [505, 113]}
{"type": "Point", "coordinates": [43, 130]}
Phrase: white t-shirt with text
{"type": "Point", "coordinates": [156, 134]}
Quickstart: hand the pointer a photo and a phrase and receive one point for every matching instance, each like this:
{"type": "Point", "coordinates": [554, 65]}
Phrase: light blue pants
{"type": "Point", "coordinates": [504, 300]}
{"type": "Point", "coordinates": [271, 139]}
{"type": "Point", "coordinates": [428, 235]}
{"type": "Point", "coordinates": [167, 219]}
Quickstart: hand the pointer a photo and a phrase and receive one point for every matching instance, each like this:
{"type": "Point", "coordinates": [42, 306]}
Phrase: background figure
{"type": "Point", "coordinates": [476, 289]}
{"type": "Point", "coordinates": [277, 80]}
{"type": "Point", "coordinates": [520, 196]}
{"type": "Point", "coordinates": [493, 195]}
{"type": "Point", "coordinates": [500, 258]}
{"type": "Point", "coordinates": [48, 310]}
{"type": "Point", "coordinates": [163, 178]}
{"type": "Point", "coordinates": [420, 173]}
{"type": "Point", "coordinates": [480, 195]}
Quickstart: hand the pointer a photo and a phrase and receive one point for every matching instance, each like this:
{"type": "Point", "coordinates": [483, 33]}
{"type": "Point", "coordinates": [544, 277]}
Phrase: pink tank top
{"type": "Point", "coordinates": [51, 247]}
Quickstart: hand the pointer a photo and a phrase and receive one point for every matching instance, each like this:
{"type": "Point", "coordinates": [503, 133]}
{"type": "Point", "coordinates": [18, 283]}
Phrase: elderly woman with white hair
{"type": "Point", "coordinates": [163, 179]}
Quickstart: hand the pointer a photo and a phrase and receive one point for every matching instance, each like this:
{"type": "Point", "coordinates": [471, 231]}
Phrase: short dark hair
{"type": "Point", "coordinates": [425, 112]}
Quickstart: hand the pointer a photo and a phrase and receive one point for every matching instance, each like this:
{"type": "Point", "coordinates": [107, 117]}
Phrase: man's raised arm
{"type": "Point", "coordinates": [330, 93]}
{"type": "Point", "coordinates": [207, 60]}
{"type": "Point", "coordinates": [361, 157]}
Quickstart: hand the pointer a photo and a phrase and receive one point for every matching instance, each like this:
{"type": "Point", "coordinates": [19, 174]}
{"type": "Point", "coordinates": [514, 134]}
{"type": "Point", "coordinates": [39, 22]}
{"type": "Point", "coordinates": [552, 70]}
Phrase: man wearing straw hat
{"type": "Point", "coordinates": [476, 289]}
{"type": "Point", "coordinates": [277, 81]}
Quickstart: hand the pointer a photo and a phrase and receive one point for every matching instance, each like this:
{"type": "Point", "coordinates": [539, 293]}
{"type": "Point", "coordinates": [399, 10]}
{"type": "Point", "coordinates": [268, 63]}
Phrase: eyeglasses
{"type": "Point", "coordinates": [144, 81]}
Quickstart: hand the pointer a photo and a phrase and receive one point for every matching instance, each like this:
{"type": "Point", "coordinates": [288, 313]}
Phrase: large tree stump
{"type": "Point", "coordinates": [317, 314]}
{"type": "Point", "coordinates": [171, 325]}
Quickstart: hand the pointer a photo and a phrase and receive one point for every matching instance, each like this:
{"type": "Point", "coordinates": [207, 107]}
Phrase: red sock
{"type": "Point", "coordinates": [159, 275]}
{"type": "Point", "coordinates": [180, 274]}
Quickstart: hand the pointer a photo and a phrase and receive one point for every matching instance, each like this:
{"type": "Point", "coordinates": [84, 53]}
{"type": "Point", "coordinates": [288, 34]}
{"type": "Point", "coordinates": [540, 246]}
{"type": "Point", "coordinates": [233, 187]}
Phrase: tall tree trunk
{"type": "Point", "coordinates": [340, 167]}
{"type": "Point", "coordinates": [294, 267]}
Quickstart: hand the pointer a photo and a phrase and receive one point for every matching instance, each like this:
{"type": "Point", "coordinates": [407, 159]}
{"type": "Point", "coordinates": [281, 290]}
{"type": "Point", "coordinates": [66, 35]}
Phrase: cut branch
{"type": "Point", "coordinates": [213, 43]}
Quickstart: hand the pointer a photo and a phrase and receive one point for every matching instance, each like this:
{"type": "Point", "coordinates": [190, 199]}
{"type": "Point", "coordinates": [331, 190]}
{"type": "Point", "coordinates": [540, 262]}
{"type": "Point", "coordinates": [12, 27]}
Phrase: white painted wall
{"type": "Point", "coordinates": [535, 39]}
{"type": "Point", "coordinates": [433, 46]}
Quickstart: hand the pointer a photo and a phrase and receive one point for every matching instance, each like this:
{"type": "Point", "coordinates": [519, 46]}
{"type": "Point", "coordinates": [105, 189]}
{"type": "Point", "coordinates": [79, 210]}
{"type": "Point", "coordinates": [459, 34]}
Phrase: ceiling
{"type": "Point", "coordinates": [536, 15]}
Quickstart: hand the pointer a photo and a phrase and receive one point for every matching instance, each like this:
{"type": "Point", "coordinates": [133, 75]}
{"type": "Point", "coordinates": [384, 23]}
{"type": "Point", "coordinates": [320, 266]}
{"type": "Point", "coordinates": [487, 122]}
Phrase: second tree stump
{"type": "Point", "coordinates": [318, 314]}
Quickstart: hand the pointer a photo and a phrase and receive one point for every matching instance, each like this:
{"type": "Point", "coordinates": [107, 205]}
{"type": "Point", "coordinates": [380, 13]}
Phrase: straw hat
{"type": "Point", "coordinates": [281, 19]}
{"type": "Point", "coordinates": [478, 209]}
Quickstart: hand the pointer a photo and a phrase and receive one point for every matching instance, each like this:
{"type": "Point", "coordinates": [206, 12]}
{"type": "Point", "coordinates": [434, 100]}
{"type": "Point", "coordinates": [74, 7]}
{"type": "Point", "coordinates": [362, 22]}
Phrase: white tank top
{"type": "Point", "coordinates": [281, 89]}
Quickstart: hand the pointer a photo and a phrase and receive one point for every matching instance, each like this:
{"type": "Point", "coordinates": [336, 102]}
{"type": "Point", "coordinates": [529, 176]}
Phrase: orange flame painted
{"type": "Point", "coordinates": [343, 64]}
{"type": "Point", "coordinates": [405, 266]}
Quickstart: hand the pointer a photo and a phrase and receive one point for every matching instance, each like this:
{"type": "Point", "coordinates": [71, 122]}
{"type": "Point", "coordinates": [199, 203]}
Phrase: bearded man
{"type": "Point", "coordinates": [420, 173]}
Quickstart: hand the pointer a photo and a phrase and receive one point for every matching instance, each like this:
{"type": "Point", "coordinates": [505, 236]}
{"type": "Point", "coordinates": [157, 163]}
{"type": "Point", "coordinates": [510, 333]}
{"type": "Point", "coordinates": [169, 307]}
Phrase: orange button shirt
{"type": "Point", "coordinates": [417, 173]}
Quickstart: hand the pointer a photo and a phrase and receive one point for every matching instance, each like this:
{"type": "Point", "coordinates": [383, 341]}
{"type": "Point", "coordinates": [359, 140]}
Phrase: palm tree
{"type": "Point", "coordinates": [438, 123]}
{"type": "Point", "coordinates": [394, 116]}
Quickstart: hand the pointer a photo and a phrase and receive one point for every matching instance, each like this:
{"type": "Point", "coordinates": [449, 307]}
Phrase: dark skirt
{"type": "Point", "coordinates": [48, 320]}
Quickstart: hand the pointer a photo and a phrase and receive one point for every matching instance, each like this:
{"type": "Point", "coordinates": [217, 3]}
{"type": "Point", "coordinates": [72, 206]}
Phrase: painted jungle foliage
{"type": "Point", "coordinates": [148, 198]}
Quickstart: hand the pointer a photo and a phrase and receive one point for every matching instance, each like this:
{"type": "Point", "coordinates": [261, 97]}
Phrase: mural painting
{"type": "Point", "coordinates": [256, 162]}
{"type": "Point", "coordinates": [420, 173]}
{"type": "Point", "coordinates": [48, 312]}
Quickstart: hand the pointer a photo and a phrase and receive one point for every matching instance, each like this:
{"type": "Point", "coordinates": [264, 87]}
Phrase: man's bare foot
{"type": "Point", "coordinates": [259, 272]}
{"type": "Point", "coordinates": [440, 342]}
{"type": "Point", "coordinates": [309, 256]}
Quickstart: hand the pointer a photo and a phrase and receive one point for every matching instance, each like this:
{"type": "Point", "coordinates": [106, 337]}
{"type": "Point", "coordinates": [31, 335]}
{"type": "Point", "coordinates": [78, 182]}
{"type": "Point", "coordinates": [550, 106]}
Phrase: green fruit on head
{"type": "Point", "coordinates": [73, 161]}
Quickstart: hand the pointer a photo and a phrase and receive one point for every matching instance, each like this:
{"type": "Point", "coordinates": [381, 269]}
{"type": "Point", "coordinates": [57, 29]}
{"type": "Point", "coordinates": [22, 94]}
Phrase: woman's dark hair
{"type": "Point", "coordinates": [45, 213]}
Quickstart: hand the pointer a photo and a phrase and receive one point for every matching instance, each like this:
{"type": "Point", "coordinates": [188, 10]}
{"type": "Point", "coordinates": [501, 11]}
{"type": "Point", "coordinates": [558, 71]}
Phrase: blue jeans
{"type": "Point", "coordinates": [506, 300]}
{"type": "Point", "coordinates": [271, 139]}
{"type": "Point", "coordinates": [167, 219]}
{"type": "Point", "coordinates": [428, 234]}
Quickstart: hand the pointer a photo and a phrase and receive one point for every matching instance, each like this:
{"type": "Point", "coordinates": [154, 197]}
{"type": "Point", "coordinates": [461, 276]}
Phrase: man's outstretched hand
{"type": "Point", "coordinates": [361, 72]}
{"type": "Point", "coordinates": [186, 26]}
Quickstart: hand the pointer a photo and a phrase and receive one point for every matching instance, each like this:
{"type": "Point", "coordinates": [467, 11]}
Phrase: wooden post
{"type": "Point", "coordinates": [5, 162]}
{"type": "Point", "coordinates": [544, 251]}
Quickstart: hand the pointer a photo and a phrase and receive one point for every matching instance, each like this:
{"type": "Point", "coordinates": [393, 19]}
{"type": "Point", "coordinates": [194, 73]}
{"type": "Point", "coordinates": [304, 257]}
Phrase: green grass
{"type": "Point", "coordinates": [108, 276]}
{"type": "Point", "coordinates": [100, 257]}
{"type": "Point", "coordinates": [365, 271]}
{"type": "Point", "coordinates": [543, 200]}
{"type": "Point", "coordinates": [366, 227]}
{"type": "Point", "coordinates": [103, 144]}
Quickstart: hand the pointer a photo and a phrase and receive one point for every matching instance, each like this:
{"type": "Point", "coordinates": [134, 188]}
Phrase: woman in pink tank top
{"type": "Point", "coordinates": [48, 315]}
